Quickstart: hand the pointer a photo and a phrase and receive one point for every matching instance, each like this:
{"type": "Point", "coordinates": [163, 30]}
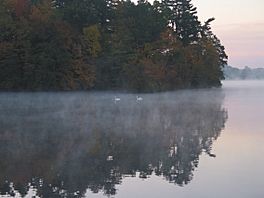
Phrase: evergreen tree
{"type": "Point", "coordinates": [83, 13]}
{"type": "Point", "coordinates": [208, 35]}
{"type": "Point", "coordinates": [184, 20]}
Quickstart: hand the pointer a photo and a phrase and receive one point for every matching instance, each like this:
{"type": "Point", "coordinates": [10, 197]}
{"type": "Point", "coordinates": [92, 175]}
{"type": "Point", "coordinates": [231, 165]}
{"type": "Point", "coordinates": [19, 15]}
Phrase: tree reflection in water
{"type": "Point", "coordinates": [61, 144]}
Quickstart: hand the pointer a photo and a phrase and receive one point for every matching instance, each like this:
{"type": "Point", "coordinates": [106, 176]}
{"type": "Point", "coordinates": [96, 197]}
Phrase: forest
{"type": "Point", "coordinates": [50, 45]}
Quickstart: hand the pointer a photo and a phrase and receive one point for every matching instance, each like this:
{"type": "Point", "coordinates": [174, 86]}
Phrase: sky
{"type": "Point", "coordinates": [239, 25]}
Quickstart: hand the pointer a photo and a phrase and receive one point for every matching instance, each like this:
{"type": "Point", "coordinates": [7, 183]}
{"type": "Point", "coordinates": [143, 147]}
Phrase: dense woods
{"type": "Point", "coordinates": [106, 44]}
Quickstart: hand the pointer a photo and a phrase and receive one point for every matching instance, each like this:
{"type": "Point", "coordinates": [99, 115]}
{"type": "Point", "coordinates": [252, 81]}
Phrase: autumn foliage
{"type": "Point", "coordinates": [106, 44]}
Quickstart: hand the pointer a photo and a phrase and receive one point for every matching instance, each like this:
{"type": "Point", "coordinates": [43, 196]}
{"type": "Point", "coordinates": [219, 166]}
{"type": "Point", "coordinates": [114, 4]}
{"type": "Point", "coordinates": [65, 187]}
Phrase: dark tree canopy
{"type": "Point", "coordinates": [184, 20]}
{"type": "Point", "coordinates": [107, 44]}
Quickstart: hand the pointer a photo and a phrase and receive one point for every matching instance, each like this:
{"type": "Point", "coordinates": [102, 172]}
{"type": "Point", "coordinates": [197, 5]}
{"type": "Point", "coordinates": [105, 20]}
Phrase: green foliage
{"type": "Point", "coordinates": [107, 44]}
{"type": "Point", "coordinates": [92, 37]}
{"type": "Point", "coordinates": [82, 13]}
{"type": "Point", "coordinates": [182, 16]}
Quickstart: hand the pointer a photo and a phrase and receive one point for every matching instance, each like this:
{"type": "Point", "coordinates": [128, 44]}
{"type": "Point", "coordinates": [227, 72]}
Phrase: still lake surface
{"type": "Point", "coordinates": [206, 143]}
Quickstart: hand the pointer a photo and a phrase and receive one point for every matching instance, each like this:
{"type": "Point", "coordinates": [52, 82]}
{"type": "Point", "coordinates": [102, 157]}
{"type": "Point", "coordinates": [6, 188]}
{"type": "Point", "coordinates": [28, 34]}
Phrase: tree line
{"type": "Point", "coordinates": [107, 45]}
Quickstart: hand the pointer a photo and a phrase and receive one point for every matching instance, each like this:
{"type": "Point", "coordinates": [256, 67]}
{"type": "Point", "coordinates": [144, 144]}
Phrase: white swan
{"type": "Point", "coordinates": [117, 99]}
{"type": "Point", "coordinates": [110, 158]}
{"type": "Point", "coordinates": [139, 98]}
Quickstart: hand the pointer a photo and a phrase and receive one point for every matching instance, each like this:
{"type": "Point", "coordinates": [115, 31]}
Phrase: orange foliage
{"type": "Point", "coordinates": [42, 12]}
{"type": "Point", "coordinates": [153, 71]}
{"type": "Point", "coordinates": [21, 7]}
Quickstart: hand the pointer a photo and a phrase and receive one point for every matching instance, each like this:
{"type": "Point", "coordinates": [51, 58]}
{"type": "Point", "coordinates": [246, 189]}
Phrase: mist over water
{"type": "Point", "coordinates": [83, 144]}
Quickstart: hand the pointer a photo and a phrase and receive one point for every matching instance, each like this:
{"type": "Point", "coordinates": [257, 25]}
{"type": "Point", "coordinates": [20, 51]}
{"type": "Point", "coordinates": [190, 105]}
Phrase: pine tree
{"type": "Point", "coordinates": [183, 19]}
{"type": "Point", "coordinates": [209, 35]}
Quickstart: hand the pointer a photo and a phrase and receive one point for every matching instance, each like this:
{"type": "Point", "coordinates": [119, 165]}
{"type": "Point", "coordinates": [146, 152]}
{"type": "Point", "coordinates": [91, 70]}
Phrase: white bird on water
{"type": "Point", "coordinates": [110, 158]}
{"type": "Point", "coordinates": [139, 98]}
{"type": "Point", "coordinates": [117, 99]}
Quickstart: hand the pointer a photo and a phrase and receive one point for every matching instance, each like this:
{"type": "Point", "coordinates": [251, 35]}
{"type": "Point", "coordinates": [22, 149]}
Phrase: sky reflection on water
{"type": "Point", "coordinates": [182, 144]}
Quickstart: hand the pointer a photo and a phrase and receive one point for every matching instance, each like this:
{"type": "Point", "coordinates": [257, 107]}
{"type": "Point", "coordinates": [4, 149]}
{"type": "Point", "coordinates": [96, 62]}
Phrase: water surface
{"type": "Point", "coordinates": [200, 143]}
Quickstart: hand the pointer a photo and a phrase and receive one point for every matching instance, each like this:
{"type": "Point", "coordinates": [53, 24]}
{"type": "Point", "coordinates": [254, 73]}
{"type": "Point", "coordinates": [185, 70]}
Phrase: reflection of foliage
{"type": "Point", "coordinates": [61, 147]}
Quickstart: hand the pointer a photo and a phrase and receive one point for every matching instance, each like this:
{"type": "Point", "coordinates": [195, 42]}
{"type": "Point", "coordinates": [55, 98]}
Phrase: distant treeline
{"type": "Point", "coordinates": [106, 44]}
{"type": "Point", "coordinates": [247, 73]}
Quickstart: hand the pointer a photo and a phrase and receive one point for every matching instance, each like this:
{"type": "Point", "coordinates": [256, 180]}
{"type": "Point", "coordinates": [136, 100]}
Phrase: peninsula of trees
{"type": "Point", "coordinates": [107, 45]}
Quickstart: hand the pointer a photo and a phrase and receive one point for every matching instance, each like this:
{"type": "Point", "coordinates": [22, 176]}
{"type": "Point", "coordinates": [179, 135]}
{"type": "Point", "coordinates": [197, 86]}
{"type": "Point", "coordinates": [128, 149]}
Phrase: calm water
{"type": "Point", "coordinates": [184, 144]}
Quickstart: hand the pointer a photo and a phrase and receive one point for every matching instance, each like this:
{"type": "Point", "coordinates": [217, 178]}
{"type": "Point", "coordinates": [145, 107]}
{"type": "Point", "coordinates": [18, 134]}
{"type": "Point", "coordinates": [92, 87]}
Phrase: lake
{"type": "Point", "coordinates": [189, 143]}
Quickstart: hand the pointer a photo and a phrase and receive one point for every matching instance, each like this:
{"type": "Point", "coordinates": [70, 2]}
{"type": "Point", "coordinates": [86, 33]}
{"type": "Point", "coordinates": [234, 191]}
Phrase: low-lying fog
{"type": "Point", "coordinates": [75, 144]}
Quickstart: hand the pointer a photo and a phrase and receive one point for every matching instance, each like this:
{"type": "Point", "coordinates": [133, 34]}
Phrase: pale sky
{"type": "Point", "coordinates": [240, 26]}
